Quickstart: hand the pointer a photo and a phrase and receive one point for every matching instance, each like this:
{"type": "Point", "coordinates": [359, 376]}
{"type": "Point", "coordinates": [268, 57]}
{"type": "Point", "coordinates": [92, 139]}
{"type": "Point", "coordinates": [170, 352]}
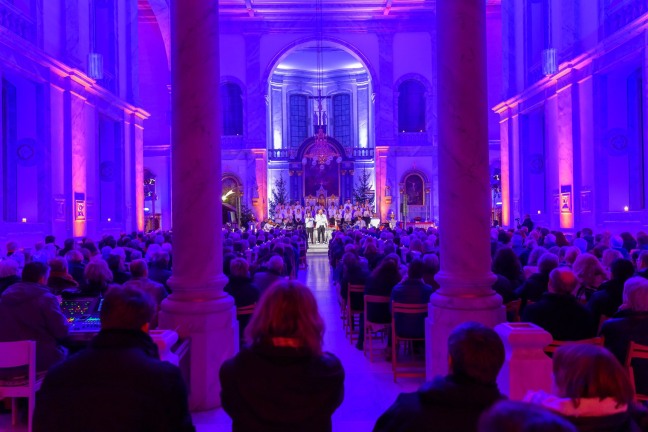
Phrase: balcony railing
{"type": "Point", "coordinates": [16, 21]}
{"type": "Point", "coordinates": [357, 153]}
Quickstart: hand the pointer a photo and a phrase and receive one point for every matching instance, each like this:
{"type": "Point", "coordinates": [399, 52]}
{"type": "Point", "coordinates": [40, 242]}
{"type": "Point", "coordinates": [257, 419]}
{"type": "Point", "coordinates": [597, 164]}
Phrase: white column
{"type": "Point", "coordinates": [198, 307]}
{"type": "Point", "coordinates": [464, 186]}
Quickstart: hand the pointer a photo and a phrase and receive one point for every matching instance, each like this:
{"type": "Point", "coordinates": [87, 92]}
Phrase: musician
{"type": "Point", "coordinates": [310, 226]}
{"type": "Point", "coordinates": [320, 224]}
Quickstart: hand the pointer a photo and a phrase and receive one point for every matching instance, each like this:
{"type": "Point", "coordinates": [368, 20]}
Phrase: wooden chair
{"type": "Point", "coordinates": [513, 310]}
{"type": "Point", "coordinates": [342, 304]}
{"type": "Point", "coordinates": [555, 344]}
{"type": "Point", "coordinates": [412, 369]}
{"type": "Point", "coordinates": [370, 328]}
{"type": "Point", "coordinates": [636, 351]}
{"type": "Point", "coordinates": [351, 313]}
{"type": "Point", "coordinates": [16, 354]}
{"type": "Point", "coordinates": [302, 256]}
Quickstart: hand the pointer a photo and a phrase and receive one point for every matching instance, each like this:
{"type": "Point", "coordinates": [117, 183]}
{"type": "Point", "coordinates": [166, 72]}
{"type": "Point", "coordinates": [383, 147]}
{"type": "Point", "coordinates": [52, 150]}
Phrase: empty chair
{"type": "Point", "coordinates": [20, 354]}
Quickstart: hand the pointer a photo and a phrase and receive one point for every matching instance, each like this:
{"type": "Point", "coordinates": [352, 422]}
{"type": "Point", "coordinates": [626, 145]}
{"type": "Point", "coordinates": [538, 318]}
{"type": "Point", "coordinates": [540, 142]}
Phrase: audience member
{"type": "Point", "coordinates": [76, 266]}
{"type": "Point", "coordinates": [430, 269]}
{"type": "Point", "coordinates": [609, 297]}
{"type": "Point", "coordinates": [117, 265]}
{"type": "Point", "coordinates": [282, 380]}
{"type": "Point", "coordinates": [8, 274]}
{"type": "Point", "coordinates": [592, 389]}
{"type": "Point", "coordinates": [590, 275]}
{"type": "Point", "coordinates": [630, 324]}
{"type": "Point", "coordinates": [270, 274]}
{"type": "Point", "coordinates": [509, 416]}
{"type": "Point", "coordinates": [412, 290]}
{"type": "Point", "coordinates": [558, 311]}
{"type": "Point", "coordinates": [118, 383]}
{"type": "Point", "coordinates": [59, 278]}
{"type": "Point", "coordinates": [642, 264]}
{"type": "Point", "coordinates": [29, 311]}
{"type": "Point", "coordinates": [140, 280]}
{"type": "Point", "coordinates": [536, 285]}
{"type": "Point", "coordinates": [453, 403]}
{"type": "Point", "coordinates": [97, 278]}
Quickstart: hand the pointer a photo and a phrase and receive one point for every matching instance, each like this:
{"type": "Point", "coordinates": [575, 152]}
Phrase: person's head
{"type": "Point", "coordinates": [562, 281]}
{"type": "Point", "coordinates": [622, 269]}
{"type": "Point", "coordinates": [239, 268]}
{"type": "Point", "coordinates": [475, 352]}
{"type": "Point", "coordinates": [126, 308]}
{"type": "Point", "coordinates": [588, 270]}
{"type": "Point", "coordinates": [58, 265]}
{"type": "Point", "coordinates": [535, 255]}
{"type": "Point", "coordinates": [50, 239]}
{"type": "Point", "coordinates": [74, 256]}
{"type": "Point", "coordinates": [581, 244]}
{"type": "Point", "coordinates": [507, 264]}
{"type": "Point", "coordinates": [511, 416]}
{"type": "Point", "coordinates": [608, 256]}
{"type": "Point", "coordinates": [98, 272]}
{"type": "Point", "coordinates": [287, 310]}
{"type": "Point", "coordinates": [431, 264]}
{"type": "Point", "coordinates": [276, 264]}
{"type": "Point", "coordinates": [635, 294]}
{"type": "Point", "coordinates": [138, 268]}
{"type": "Point", "coordinates": [12, 247]}
{"type": "Point", "coordinates": [547, 263]}
{"type": "Point", "coordinates": [585, 371]}
{"type": "Point", "coordinates": [571, 253]}
{"type": "Point", "coordinates": [8, 268]}
{"type": "Point", "coordinates": [415, 269]}
{"type": "Point", "coordinates": [35, 272]}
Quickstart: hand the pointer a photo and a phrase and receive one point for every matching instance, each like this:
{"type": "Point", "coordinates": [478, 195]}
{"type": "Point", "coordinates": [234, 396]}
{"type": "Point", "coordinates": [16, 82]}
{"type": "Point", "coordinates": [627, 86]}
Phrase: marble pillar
{"type": "Point", "coordinates": [198, 308]}
{"type": "Point", "coordinates": [464, 187]}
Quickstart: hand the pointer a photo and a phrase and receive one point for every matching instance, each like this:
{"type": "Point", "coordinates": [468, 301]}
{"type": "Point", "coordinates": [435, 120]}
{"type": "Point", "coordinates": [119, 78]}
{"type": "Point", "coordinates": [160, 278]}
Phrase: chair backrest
{"type": "Point", "coordinates": [14, 354]}
{"type": "Point", "coordinates": [245, 310]}
{"type": "Point", "coordinates": [374, 299]}
{"type": "Point", "coordinates": [636, 351]}
{"type": "Point", "coordinates": [555, 344]}
{"type": "Point", "coordinates": [408, 308]}
{"type": "Point", "coordinates": [354, 288]}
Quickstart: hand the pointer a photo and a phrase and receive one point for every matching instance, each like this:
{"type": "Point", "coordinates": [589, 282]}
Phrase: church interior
{"type": "Point", "coordinates": [451, 128]}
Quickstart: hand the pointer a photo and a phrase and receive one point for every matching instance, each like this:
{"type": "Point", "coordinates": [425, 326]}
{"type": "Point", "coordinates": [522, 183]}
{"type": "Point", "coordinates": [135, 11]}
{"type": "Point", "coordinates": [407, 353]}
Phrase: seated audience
{"type": "Point", "coordinates": [507, 268]}
{"type": "Point", "coordinates": [267, 276]}
{"type": "Point", "coordinates": [59, 278]}
{"type": "Point", "coordinates": [240, 285]}
{"type": "Point", "coordinates": [430, 269]}
{"type": "Point", "coordinates": [642, 264]}
{"type": "Point", "coordinates": [117, 264]}
{"type": "Point", "coordinates": [609, 297]}
{"type": "Point", "coordinates": [29, 311]}
{"type": "Point", "coordinates": [536, 285]}
{"type": "Point", "coordinates": [509, 416]}
{"type": "Point", "coordinates": [76, 266]}
{"type": "Point", "coordinates": [412, 290]}
{"type": "Point", "coordinates": [118, 383]}
{"type": "Point", "coordinates": [592, 389]}
{"type": "Point", "coordinates": [590, 275]}
{"type": "Point", "coordinates": [140, 280]}
{"type": "Point", "coordinates": [282, 381]}
{"type": "Point", "coordinates": [630, 324]}
{"type": "Point", "coordinates": [453, 403]}
{"type": "Point", "coordinates": [558, 311]}
{"type": "Point", "coordinates": [9, 272]}
{"type": "Point", "coordinates": [159, 269]}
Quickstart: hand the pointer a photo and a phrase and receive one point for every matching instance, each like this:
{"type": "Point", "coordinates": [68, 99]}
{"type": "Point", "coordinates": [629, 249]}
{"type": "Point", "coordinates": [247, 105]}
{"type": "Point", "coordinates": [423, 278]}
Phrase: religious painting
{"type": "Point", "coordinates": [565, 199]}
{"type": "Point", "coordinates": [414, 190]}
{"type": "Point", "coordinates": [322, 176]}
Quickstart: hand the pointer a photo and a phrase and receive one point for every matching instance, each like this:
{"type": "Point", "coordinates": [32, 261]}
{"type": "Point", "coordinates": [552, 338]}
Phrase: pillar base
{"type": "Point", "coordinates": [445, 313]}
{"type": "Point", "coordinates": [212, 326]}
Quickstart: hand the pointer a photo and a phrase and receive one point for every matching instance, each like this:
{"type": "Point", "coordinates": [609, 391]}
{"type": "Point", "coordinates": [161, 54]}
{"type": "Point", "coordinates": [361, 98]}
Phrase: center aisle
{"type": "Point", "coordinates": [369, 387]}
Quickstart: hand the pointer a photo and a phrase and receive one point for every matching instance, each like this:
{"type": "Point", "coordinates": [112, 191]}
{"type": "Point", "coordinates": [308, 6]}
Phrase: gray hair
{"type": "Point", "coordinates": [635, 294]}
{"type": "Point", "coordinates": [276, 263]}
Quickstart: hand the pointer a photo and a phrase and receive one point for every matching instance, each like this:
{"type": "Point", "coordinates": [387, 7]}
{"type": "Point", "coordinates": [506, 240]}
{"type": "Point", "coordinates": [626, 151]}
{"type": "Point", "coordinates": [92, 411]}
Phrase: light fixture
{"type": "Point", "coordinates": [24, 220]}
{"type": "Point", "coordinates": [224, 197]}
{"type": "Point", "coordinates": [626, 208]}
{"type": "Point", "coordinates": [539, 212]}
{"type": "Point", "coordinates": [109, 220]}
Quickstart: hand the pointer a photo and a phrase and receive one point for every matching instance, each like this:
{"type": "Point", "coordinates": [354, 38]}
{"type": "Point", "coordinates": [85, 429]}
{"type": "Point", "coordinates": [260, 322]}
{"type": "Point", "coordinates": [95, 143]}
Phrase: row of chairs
{"type": "Point", "coordinates": [351, 321]}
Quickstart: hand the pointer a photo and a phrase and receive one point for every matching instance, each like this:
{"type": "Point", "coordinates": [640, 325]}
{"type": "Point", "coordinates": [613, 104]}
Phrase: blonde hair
{"type": "Point", "coordinates": [97, 271]}
{"type": "Point", "coordinates": [287, 310]}
{"type": "Point", "coordinates": [589, 270]}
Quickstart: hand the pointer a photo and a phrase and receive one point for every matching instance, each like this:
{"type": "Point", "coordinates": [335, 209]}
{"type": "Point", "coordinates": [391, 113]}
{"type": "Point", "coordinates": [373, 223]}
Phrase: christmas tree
{"type": "Point", "coordinates": [364, 188]}
{"type": "Point", "coordinates": [279, 195]}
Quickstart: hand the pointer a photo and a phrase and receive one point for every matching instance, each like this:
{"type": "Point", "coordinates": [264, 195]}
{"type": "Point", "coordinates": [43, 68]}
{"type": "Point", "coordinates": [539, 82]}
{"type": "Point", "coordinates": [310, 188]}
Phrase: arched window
{"type": "Point", "coordinates": [298, 106]}
{"type": "Point", "coordinates": [232, 107]}
{"type": "Point", "coordinates": [342, 118]}
{"type": "Point", "coordinates": [411, 107]}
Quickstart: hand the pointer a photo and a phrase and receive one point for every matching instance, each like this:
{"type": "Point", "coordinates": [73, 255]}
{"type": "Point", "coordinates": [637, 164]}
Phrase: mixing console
{"type": "Point", "coordinates": [83, 315]}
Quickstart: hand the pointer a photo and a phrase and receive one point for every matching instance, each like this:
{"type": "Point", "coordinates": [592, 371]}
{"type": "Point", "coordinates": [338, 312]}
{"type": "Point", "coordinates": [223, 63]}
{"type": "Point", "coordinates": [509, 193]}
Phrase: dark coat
{"type": "Point", "coordinates": [379, 312]}
{"type": "Point", "coordinates": [159, 275]}
{"type": "Point", "coordinates": [245, 293]}
{"type": "Point", "coordinates": [265, 278]}
{"type": "Point", "coordinates": [57, 282]}
{"type": "Point", "coordinates": [76, 269]}
{"type": "Point", "coordinates": [6, 282]}
{"type": "Point", "coordinates": [607, 299]}
{"type": "Point", "coordinates": [504, 288]}
{"type": "Point", "coordinates": [121, 277]}
{"type": "Point", "coordinates": [446, 404]}
{"type": "Point", "coordinates": [117, 384]}
{"type": "Point", "coordinates": [354, 276]}
{"type": "Point", "coordinates": [267, 389]}
{"type": "Point", "coordinates": [411, 291]}
{"type": "Point", "coordinates": [562, 316]}
{"type": "Point", "coordinates": [532, 288]}
{"type": "Point", "coordinates": [628, 326]}
{"type": "Point", "coordinates": [29, 311]}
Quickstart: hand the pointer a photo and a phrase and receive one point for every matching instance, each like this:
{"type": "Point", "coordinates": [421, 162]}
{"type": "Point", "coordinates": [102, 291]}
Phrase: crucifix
{"type": "Point", "coordinates": [320, 118]}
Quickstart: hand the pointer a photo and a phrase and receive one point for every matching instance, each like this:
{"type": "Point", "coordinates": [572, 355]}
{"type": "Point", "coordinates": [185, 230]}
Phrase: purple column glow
{"type": "Point", "coordinates": [198, 307]}
{"type": "Point", "coordinates": [464, 188]}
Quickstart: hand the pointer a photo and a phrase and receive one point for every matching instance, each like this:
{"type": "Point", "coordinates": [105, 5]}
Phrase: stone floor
{"type": "Point", "coordinates": [369, 387]}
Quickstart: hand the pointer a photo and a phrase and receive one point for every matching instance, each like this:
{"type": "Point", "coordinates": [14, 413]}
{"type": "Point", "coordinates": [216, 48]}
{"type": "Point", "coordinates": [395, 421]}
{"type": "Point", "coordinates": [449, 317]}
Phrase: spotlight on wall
{"type": "Point", "coordinates": [24, 220]}
{"type": "Point", "coordinates": [109, 220]}
{"type": "Point", "coordinates": [539, 212]}
{"type": "Point", "coordinates": [626, 208]}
